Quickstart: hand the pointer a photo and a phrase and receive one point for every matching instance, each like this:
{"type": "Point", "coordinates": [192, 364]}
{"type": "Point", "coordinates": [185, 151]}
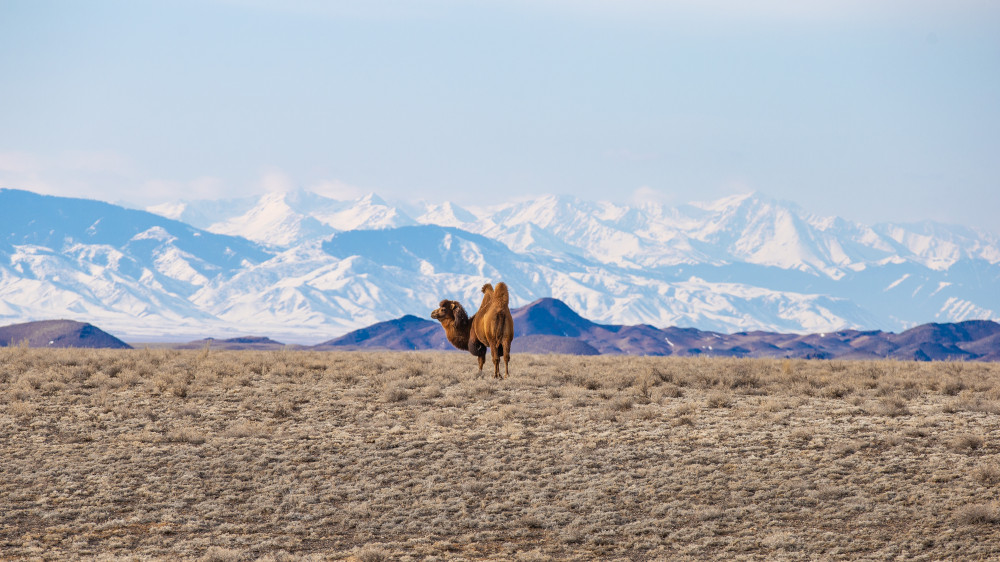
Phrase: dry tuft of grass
{"type": "Point", "coordinates": [987, 475]}
{"type": "Point", "coordinates": [719, 399]}
{"type": "Point", "coordinates": [978, 514]}
{"type": "Point", "coordinates": [966, 442]}
{"type": "Point", "coordinates": [184, 435]}
{"type": "Point", "coordinates": [299, 455]}
{"type": "Point", "coordinates": [892, 406]}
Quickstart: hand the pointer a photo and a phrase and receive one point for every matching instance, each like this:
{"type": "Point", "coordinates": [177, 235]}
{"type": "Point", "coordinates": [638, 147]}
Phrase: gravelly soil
{"type": "Point", "coordinates": [290, 455]}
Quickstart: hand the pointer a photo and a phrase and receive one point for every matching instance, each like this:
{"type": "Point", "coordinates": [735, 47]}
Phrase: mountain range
{"type": "Point", "coordinates": [549, 326]}
{"type": "Point", "coordinates": [302, 267]}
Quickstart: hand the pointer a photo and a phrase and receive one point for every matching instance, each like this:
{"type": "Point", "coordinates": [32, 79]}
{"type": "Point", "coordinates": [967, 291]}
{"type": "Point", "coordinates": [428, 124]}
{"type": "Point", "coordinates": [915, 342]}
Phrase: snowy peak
{"type": "Point", "coordinates": [446, 214]}
{"type": "Point", "coordinates": [282, 219]}
{"type": "Point", "coordinates": [204, 213]}
{"type": "Point", "coordinates": [278, 219]}
{"type": "Point", "coordinates": [370, 212]}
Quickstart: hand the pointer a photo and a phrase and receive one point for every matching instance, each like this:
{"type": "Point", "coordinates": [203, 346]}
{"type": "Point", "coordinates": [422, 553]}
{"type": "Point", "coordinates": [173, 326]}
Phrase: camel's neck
{"type": "Point", "coordinates": [458, 333]}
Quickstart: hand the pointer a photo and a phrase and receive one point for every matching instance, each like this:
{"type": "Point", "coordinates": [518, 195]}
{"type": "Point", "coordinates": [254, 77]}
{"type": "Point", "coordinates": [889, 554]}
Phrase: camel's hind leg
{"type": "Point", "coordinates": [506, 360]}
{"type": "Point", "coordinates": [482, 361]}
{"type": "Point", "coordinates": [497, 350]}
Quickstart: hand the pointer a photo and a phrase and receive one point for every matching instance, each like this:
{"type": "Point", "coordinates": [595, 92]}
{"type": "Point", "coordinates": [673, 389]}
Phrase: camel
{"type": "Point", "coordinates": [492, 326]}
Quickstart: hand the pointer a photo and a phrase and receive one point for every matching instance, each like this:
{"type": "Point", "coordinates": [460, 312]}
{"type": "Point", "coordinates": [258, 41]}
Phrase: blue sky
{"type": "Point", "coordinates": [874, 111]}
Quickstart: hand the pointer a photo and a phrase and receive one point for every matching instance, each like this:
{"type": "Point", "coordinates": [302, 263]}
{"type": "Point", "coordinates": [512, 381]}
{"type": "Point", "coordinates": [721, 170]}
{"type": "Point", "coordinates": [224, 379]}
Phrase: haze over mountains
{"type": "Point", "coordinates": [304, 268]}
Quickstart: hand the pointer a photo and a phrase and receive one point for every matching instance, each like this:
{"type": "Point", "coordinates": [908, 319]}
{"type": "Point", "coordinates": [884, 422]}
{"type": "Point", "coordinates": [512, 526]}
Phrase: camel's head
{"type": "Point", "coordinates": [445, 310]}
{"type": "Point", "coordinates": [449, 310]}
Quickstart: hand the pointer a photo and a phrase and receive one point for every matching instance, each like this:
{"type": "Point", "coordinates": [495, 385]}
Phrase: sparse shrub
{"type": "Point", "coordinates": [284, 409]}
{"type": "Point", "coordinates": [179, 389]}
{"type": "Point", "coordinates": [246, 428]}
{"type": "Point", "coordinates": [444, 419]}
{"type": "Point", "coordinates": [205, 351]}
{"type": "Point", "coordinates": [395, 394]}
{"type": "Point", "coordinates": [22, 409]}
{"type": "Point", "coordinates": [102, 400]}
{"type": "Point", "coordinates": [532, 522]}
{"type": "Point", "coordinates": [671, 390]}
{"type": "Point", "coordinates": [685, 420]}
{"type": "Point", "coordinates": [786, 367]}
{"type": "Point", "coordinates": [473, 487]}
{"type": "Point", "coordinates": [129, 377]}
{"type": "Point", "coordinates": [847, 448]}
{"type": "Point", "coordinates": [161, 382]}
{"type": "Point", "coordinates": [782, 540]}
{"type": "Point", "coordinates": [829, 492]}
{"type": "Point", "coordinates": [373, 554]}
{"type": "Point", "coordinates": [743, 376]}
{"type": "Point", "coordinates": [710, 513]}
{"type": "Point", "coordinates": [966, 443]}
{"type": "Point", "coordinates": [801, 435]}
{"type": "Point", "coordinates": [891, 406]}
{"type": "Point", "coordinates": [719, 400]}
{"type": "Point", "coordinates": [969, 402]}
{"type": "Point", "coordinates": [184, 435]}
{"type": "Point", "coordinates": [661, 374]}
{"type": "Point", "coordinates": [258, 367]}
{"type": "Point", "coordinates": [483, 389]}
{"type": "Point", "coordinates": [647, 414]}
{"type": "Point", "coordinates": [838, 390]}
{"type": "Point", "coordinates": [607, 414]}
{"type": "Point", "coordinates": [987, 475]}
{"type": "Point", "coordinates": [23, 391]}
{"type": "Point", "coordinates": [978, 514]}
{"type": "Point", "coordinates": [953, 386]}
{"type": "Point", "coordinates": [774, 405]}
{"type": "Point", "coordinates": [622, 404]}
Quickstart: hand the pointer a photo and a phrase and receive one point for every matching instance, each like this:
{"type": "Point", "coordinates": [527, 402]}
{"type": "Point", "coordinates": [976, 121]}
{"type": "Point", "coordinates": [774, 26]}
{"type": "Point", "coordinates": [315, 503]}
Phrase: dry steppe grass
{"type": "Point", "coordinates": [287, 455]}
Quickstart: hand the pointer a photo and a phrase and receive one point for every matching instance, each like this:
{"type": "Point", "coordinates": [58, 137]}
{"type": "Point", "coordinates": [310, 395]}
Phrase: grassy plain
{"type": "Point", "coordinates": [289, 455]}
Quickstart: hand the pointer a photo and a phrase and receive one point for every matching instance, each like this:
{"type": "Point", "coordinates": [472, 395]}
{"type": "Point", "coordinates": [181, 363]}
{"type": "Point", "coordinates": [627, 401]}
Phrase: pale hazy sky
{"type": "Point", "coordinates": [871, 110]}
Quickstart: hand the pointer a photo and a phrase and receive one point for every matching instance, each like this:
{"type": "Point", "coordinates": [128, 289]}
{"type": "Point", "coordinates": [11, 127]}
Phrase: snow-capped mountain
{"type": "Point", "coordinates": [745, 228]}
{"type": "Point", "coordinates": [306, 268]}
{"type": "Point", "coordinates": [283, 218]}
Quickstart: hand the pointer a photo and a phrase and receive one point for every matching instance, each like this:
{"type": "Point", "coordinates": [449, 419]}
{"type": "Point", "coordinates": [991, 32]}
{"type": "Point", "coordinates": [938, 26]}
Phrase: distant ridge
{"type": "Point", "coordinates": [59, 333]}
{"type": "Point", "coordinates": [238, 343]}
{"type": "Point", "coordinates": [406, 333]}
{"type": "Point", "coordinates": [550, 326]}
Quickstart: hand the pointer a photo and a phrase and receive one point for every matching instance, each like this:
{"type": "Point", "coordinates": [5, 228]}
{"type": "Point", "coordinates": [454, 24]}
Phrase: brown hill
{"type": "Point", "coordinates": [59, 333]}
{"type": "Point", "coordinates": [406, 333]}
{"type": "Point", "coordinates": [240, 343]}
{"type": "Point", "coordinates": [550, 326]}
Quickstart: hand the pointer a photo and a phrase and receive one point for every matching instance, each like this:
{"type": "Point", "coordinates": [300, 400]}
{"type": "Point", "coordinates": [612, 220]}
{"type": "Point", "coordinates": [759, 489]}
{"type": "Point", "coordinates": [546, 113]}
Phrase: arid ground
{"type": "Point", "coordinates": [288, 455]}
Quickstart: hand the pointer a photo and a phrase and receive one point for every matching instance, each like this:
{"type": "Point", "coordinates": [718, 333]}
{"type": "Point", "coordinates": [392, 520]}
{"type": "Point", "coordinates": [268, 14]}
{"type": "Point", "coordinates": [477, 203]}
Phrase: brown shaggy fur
{"type": "Point", "coordinates": [493, 326]}
{"type": "Point", "coordinates": [457, 327]}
